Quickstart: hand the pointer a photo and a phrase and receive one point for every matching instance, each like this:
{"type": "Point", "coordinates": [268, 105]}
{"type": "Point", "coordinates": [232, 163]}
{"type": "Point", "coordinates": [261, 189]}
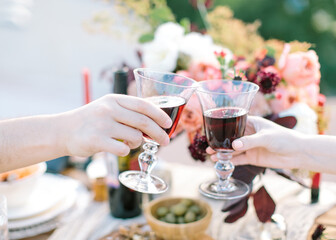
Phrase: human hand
{"type": "Point", "coordinates": [267, 144]}
{"type": "Point", "coordinates": [100, 125]}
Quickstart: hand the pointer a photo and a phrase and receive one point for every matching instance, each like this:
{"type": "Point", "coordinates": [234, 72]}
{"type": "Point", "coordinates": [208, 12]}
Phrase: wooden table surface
{"type": "Point", "coordinates": [328, 219]}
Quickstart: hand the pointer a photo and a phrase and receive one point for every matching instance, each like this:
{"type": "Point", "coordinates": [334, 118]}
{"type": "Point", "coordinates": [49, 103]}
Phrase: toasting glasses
{"type": "Point", "coordinates": [170, 92]}
{"type": "Point", "coordinates": [225, 105]}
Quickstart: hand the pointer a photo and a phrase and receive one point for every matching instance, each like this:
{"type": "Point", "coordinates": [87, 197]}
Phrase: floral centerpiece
{"type": "Point", "coordinates": [288, 73]}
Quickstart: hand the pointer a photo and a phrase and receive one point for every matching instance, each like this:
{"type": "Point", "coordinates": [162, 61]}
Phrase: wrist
{"type": "Point", "coordinates": [62, 128]}
{"type": "Point", "coordinates": [308, 154]}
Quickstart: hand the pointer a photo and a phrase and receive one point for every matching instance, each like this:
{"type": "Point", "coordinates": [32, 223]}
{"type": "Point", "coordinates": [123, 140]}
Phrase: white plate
{"type": "Point", "coordinates": [67, 209]}
{"type": "Point", "coordinates": [55, 211]}
{"type": "Point", "coordinates": [51, 189]}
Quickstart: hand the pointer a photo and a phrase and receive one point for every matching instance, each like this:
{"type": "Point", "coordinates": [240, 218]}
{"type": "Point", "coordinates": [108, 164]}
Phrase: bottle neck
{"type": "Point", "coordinates": [120, 81]}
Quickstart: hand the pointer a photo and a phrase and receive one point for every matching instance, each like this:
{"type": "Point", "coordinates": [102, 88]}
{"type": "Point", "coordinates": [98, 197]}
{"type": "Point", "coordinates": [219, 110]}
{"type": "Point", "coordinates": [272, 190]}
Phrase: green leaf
{"type": "Point", "coordinates": [283, 81]}
{"type": "Point", "coordinates": [185, 23]}
{"type": "Point", "coordinates": [269, 96]}
{"type": "Point", "coordinates": [161, 15]}
{"type": "Point", "coordinates": [147, 37]}
{"type": "Point", "coordinates": [231, 63]}
{"type": "Point", "coordinates": [270, 51]}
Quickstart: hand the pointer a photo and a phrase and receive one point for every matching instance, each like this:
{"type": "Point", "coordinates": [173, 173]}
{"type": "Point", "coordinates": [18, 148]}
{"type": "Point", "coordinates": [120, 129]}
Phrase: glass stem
{"type": "Point", "coordinates": [147, 160]}
{"type": "Point", "coordinates": [224, 169]}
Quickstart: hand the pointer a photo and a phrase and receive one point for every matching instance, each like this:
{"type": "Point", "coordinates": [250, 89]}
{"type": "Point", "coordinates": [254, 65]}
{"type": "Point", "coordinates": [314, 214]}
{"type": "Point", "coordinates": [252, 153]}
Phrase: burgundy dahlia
{"type": "Point", "coordinates": [266, 61]}
{"type": "Point", "coordinates": [197, 148]}
{"type": "Point", "coordinates": [267, 81]}
{"type": "Point", "coordinates": [318, 233]}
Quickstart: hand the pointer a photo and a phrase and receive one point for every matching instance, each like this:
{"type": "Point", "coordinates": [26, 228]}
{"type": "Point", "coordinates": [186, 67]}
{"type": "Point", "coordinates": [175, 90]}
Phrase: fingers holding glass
{"type": "Point", "coordinates": [146, 108]}
{"type": "Point", "coordinates": [145, 124]}
{"type": "Point", "coordinates": [165, 95]}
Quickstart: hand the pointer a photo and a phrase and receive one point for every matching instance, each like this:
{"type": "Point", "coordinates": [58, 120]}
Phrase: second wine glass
{"type": "Point", "coordinates": [225, 105]}
{"type": "Point", "coordinates": [170, 92]}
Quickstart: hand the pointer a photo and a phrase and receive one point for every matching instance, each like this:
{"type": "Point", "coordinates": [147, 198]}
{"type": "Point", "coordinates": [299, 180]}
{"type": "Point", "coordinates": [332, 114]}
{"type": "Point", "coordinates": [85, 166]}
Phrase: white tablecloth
{"type": "Point", "coordinates": [292, 202]}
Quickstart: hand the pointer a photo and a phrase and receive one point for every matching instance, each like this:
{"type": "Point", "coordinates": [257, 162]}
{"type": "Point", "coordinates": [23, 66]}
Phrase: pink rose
{"type": "Point", "coordinates": [192, 118]}
{"type": "Point", "coordinates": [211, 72]}
{"type": "Point", "coordinates": [301, 68]}
{"type": "Point", "coordinates": [184, 73]}
{"type": "Point", "coordinates": [284, 99]}
{"type": "Point", "coordinates": [242, 65]}
{"type": "Point", "coordinates": [309, 94]}
{"type": "Point", "coordinates": [203, 71]}
{"type": "Point", "coordinates": [259, 106]}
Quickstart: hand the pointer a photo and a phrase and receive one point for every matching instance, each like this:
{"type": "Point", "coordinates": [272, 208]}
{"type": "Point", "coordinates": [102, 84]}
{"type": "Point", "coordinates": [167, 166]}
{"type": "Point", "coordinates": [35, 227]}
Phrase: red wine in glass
{"type": "Point", "coordinates": [173, 106]}
{"type": "Point", "coordinates": [223, 126]}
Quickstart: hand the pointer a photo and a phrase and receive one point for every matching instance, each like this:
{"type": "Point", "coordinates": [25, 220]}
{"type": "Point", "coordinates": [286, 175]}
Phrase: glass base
{"type": "Point", "coordinates": [135, 180]}
{"type": "Point", "coordinates": [236, 189]}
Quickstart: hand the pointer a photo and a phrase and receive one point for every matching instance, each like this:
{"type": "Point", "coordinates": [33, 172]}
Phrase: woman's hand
{"type": "Point", "coordinates": [114, 123]}
{"type": "Point", "coordinates": [269, 145]}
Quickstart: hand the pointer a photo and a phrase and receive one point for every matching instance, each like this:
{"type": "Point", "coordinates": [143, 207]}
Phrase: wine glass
{"type": "Point", "coordinates": [170, 92]}
{"type": "Point", "coordinates": [225, 105]}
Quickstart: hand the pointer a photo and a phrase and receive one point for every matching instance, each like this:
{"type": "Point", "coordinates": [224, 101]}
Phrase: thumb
{"type": "Point", "coordinates": [249, 142]}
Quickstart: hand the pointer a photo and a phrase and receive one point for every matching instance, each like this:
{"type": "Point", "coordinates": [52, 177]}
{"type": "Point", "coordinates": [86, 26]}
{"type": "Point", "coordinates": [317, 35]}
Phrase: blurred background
{"type": "Point", "coordinates": [45, 44]}
{"type": "Point", "coordinates": [313, 21]}
{"type": "Point", "coordinates": [44, 47]}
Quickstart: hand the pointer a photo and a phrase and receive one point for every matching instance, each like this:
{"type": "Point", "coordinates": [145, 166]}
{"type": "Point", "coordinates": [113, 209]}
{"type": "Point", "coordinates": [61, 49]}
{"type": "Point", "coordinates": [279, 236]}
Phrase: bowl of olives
{"type": "Point", "coordinates": [178, 218]}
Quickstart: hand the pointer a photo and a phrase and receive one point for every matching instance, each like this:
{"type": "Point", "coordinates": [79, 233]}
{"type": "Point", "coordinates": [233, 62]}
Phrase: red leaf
{"type": "Point", "coordinates": [263, 204]}
{"type": "Point", "coordinates": [238, 211]}
{"type": "Point", "coordinates": [288, 122]}
{"type": "Point", "coordinates": [247, 173]}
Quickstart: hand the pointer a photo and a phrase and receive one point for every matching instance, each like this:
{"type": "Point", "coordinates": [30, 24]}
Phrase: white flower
{"type": "Point", "coordinates": [197, 46]}
{"type": "Point", "coordinates": [160, 55]}
{"type": "Point", "coordinates": [169, 31]}
{"type": "Point", "coordinates": [305, 116]}
{"type": "Point", "coordinates": [201, 49]}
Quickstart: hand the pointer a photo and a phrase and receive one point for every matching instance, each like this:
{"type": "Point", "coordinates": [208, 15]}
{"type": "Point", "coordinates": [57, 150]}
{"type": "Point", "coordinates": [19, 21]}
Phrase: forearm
{"type": "Point", "coordinates": [29, 140]}
{"type": "Point", "coordinates": [320, 153]}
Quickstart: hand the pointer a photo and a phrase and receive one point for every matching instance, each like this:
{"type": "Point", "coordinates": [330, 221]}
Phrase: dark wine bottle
{"type": "Point", "coordinates": [124, 202]}
{"type": "Point", "coordinates": [120, 81]}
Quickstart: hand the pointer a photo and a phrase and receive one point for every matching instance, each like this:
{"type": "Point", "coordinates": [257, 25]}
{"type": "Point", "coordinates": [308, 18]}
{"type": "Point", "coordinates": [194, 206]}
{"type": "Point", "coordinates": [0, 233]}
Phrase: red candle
{"type": "Point", "coordinates": [316, 180]}
{"type": "Point", "coordinates": [86, 79]}
{"type": "Point", "coordinates": [315, 188]}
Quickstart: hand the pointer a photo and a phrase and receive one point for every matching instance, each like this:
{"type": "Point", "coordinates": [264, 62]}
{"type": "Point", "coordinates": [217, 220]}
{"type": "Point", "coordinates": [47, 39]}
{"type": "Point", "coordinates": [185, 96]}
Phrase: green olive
{"type": "Point", "coordinates": [189, 217]}
{"type": "Point", "coordinates": [196, 209]}
{"type": "Point", "coordinates": [170, 218]}
{"type": "Point", "coordinates": [161, 211]}
{"type": "Point", "coordinates": [187, 202]}
{"type": "Point", "coordinates": [162, 219]}
{"type": "Point", "coordinates": [179, 209]}
{"type": "Point", "coordinates": [180, 220]}
{"type": "Point", "coordinates": [199, 217]}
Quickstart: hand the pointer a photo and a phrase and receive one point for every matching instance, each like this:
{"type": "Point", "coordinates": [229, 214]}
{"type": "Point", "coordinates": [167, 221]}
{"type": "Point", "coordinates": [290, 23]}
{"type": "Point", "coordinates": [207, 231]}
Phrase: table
{"type": "Point", "coordinates": [102, 223]}
{"type": "Point", "coordinates": [181, 165]}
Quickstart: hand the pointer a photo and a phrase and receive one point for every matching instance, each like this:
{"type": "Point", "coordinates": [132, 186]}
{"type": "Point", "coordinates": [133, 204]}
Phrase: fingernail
{"type": "Point", "coordinates": [166, 141]}
{"type": "Point", "coordinates": [168, 123]}
{"type": "Point", "coordinates": [237, 144]}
